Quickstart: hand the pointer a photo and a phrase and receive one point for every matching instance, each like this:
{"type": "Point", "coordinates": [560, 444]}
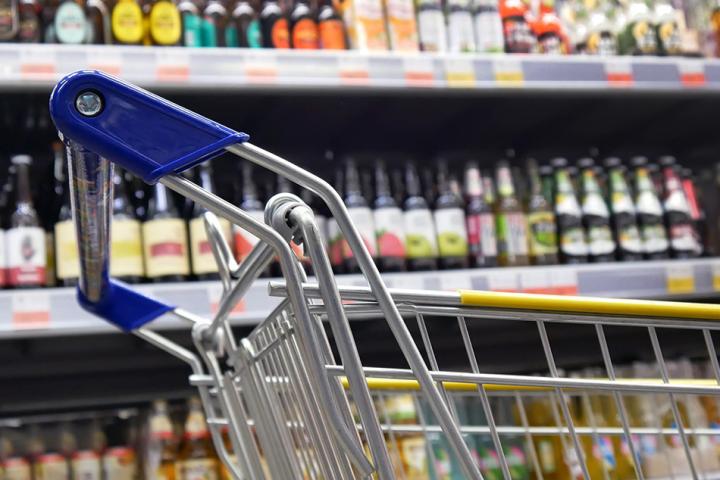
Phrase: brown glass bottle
{"type": "Point", "coordinates": [274, 26]}
{"type": "Point", "coordinates": [595, 215]}
{"type": "Point", "coordinates": [9, 20]}
{"type": "Point", "coordinates": [29, 25]}
{"type": "Point", "coordinates": [164, 23]}
{"type": "Point", "coordinates": [331, 28]}
{"type": "Point", "coordinates": [572, 242]}
{"type": "Point", "coordinates": [162, 444]}
{"type": "Point", "coordinates": [127, 23]}
{"type": "Point", "coordinates": [335, 236]}
{"type": "Point", "coordinates": [217, 30]}
{"type": "Point", "coordinates": [196, 457]}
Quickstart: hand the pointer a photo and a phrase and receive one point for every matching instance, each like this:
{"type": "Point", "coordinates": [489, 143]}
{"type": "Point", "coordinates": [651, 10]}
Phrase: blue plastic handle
{"type": "Point", "coordinates": [147, 135]}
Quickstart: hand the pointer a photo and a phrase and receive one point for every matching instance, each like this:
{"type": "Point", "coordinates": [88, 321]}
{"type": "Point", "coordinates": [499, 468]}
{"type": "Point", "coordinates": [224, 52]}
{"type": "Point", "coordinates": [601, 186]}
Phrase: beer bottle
{"type": "Point", "coordinates": [331, 27]}
{"type": "Point", "coordinates": [86, 464]}
{"type": "Point", "coordinates": [98, 20]}
{"type": "Point", "coordinates": [572, 243]}
{"type": "Point", "coordinates": [650, 212]}
{"type": "Point", "coordinates": [303, 27]}
{"type": "Point", "coordinates": [6, 202]}
{"type": "Point", "coordinates": [70, 24]}
{"type": "Point", "coordinates": [510, 219]}
{"type": "Point", "coordinates": [202, 259]}
{"type": "Point", "coordinates": [678, 219]}
{"type": "Point", "coordinates": [596, 216]}
{"type": "Point", "coordinates": [49, 463]}
{"type": "Point", "coordinates": [274, 25]}
{"type": "Point", "coordinates": [449, 217]}
{"type": "Point", "coordinates": [67, 263]}
{"type": "Point", "coordinates": [549, 30]}
{"type": "Point", "coordinates": [360, 215]}
{"type": "Point", "coordinates": [126, 262]}
{"type": "Point", "coordinates": [422, 247]}
{"type": "Point", "coordinates": [460, 27]}
{"type": "Point", "coordinates": [25, 239]}
{"type": "Point", "coordinates": [164, 23]}
{"type": "Point", "coordinates": [13, 459]}
{"type": "Point", "coordinates": [335, 237]}
{"type": "Point", "coordinates": [488, 26]}
{"type": "Point", "coordinates": [192, 24]}
{"type": "Point", "coordinates": [432, 31]}
{"type": "Point", "coordinates": [251, 204]}
{"type": "Point", "coordinates": [624, 219]}
{"type": "Point", "coordinates": [196, 458]}
{"type": "Point", "coordinates": [667, 30]}
{"type": "Point", "coordinates": [9, 20]}
{"type": "Point", "coordinates": [162, 445]}
{"type": "Point", "coordinates": [120, 458]}
{"type": "Point", "coordinates": [389, 228]}
{"type": "Point", "coordinates": [247, 25]}
{"type": "Point", "coordinates": [541, 221]}
{"type": "Point", "coordinates": [489, 189]}
{"type": "Point", "coordinates": [165, 242]}
{"type": "Point", "coordinates": [217, 29]}
{"type": "Point", "coordinates": [480, 220]}
{"type": "Point", "coordinates": [126, 22]}
{"type": "Point", "coordinates": [29, 23]}
{"type": "Point", "coordinates": [638, 35]}
{"type": "Point", "coordinates": [697, 213]}
{"type": "Point", "coordinates": [519, 38]}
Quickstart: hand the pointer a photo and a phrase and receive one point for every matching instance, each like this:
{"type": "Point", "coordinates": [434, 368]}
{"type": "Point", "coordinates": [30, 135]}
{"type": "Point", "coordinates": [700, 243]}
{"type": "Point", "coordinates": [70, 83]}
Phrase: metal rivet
{"type": "Point", "coordinates": [88, 103]}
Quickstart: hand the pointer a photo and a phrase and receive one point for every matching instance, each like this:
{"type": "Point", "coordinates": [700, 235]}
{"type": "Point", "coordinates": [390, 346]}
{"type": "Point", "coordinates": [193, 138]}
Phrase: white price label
{"type": "Point", "coordinates": [260, 67]}
{"type": "Point", "coordinates": [564, 281]}
{"type": "Point", "coordinates": [692, 71]}
{"type": "Point", "coordinates": [535, 280]}
{"type": "Point", "coordinates": [353, 69]}
{"type": "Point", "coordinates": [504, 281]}
{"type": "Point", "coordinates": [172, 65]}
{"type": "Point", "coordinates": [105, 60]}
{"type": "Point", "coordinates": [38, 63]}
{"type": "Point", "coordinates": [419, 70]}
{"type": "Point", "coordinates": [30, 309]}
{"type": "Point", "coordinates": [618, 71]}
{"type": "Point", "coordinates": [455, 281]}
{"type": "Point", "coordinates": [680, 279]}
{"type": "Point", "coordinates": [507, 70]}
{"type": "Point", "coordinates": [459, 72]}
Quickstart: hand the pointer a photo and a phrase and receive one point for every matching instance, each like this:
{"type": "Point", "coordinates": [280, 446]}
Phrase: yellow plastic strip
{"type": "Point", "coordinates": [605, 306]}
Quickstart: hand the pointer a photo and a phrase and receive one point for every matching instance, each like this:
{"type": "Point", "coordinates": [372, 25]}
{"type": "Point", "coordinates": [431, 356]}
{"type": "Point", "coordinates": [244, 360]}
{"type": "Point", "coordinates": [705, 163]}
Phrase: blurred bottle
{"type": "Point", "coordinates": [274, 26]}
{"type": "Point", "coordinates": [511, 221]}
{"type": "Point", "coordinates": [482, 240]}
{"type": "Point", "coordinates": [461, 35]}
{"type": "Point", "coordinates": [162, 444]}
{"type": "Point", "coordinates": [541, 221]}
{"type": "Point", "coordinates": [165, 241]}
{"type": "Point", "coordinates": [366, 27]}
{"type": "Point", "coordinates": [99, 26]}
{"type": "Point", "coordinates": [247, 25]}
{"type": "Point", "coordinates": [86, 460]}
{"type": "Point", "coordinates": [488, 27]}
{"type": "Point", "coordinates": [217, 30]}
{"type": "Point", "coordinates": [637, 36]}
{"type": "Point", "coordinates": [331, 28]}
{"type": "Point", "coordinates": [69, 23]}
{"type": "Point", "coordinates": [680, 227]}
{"type": "Point", "coordinates": [25, 240]}
{"type": "Point", "coordinates": [401, 25]}
{"type": "Point", "coordinates": [119, 458]}
{"type": "Point", "coordinates": [624, 220]}
{"type": "Point", "coordinates": [601, 38]}
{"type": "Point", "coordinates": [304, 33]}
{"type": "Point", "coordinates": [9, 20]}
{"type": "Point", "coordinates": [127, 23]}
{"type": "Point", "coordinates": [360, 215]}
{"type": "Point", "coordinates": [572, 242]}
{"type": "Point", "coordinates": [196, 457]}
{"type": "Point", "coordinates": [29, 23]}
{"type": "Point", "coordinates": [449, 217]}
{"type": "Point", "coordinates": [126, 260]}
{"type": "Point", "coordinates": [389, 227]}
{"type": "Point", "coordinates": [432, 31]}
{"type": "Point", "coordinates": [650, 212]}
{"type": "Point", "coordinates": [596, 215]}
{"type": "Point", "coordinates": [667, 28]}
{"type": "Point", "coordinates": [14, 464]}
{"type": "Point", "coordinates": [49, 462]}
{"type": "Point", "coordinates": [548, 28]}
{"type": "Point", "coordinates": [420, 233]}
{"type": "Point", "coordinates": [697, 213]}
{"type": "Point", "coordinates": [164, 23]}
{"type": "Point", "coordinates": [251, 204]}
{"type": "Point", "coordinates": [192, 24]}
{"type": "Point", "coordinates": [335, 236]}
{"type": "Point", "coordinates": [518, 35]}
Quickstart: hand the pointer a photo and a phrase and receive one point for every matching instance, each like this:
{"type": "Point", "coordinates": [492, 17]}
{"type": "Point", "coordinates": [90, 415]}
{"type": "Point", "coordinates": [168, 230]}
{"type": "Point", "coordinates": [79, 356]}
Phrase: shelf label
{"type": "Point", "coordinates": [460, 72]}
{"type": "Point", "coordinates": [503, 282]}
{"type": "Point", "coordinates": [508, 71]}
{"type": "Point", "coordinates": [353, 70]}
{"type": "Point", "coordinates": [619, 72]}
{"type": "Point", "coordinates": [716, 276]}
{"type": "Point", "coordinates": [172, 65]}
{"type": "Point", "coordinates": [215, 297]}
{"type": "Point", "coordinates": [105, 60]}
{"type": "Point", "coordinates": [455, 282]}
{"type": "Point", "coordinates": [535, 280]}
{"type": "Point", "coordinates": [564, 281]}
{"type": "Point", "coordinates": [692, 72]}
{"type": "Point", "coordinates": [38, 64]}
{"type": "Point", "coordinates": [30, 310]}
{"type": "Point", "coordinates": [260, 68]}
{"type": "Point", "coordinates": [419, 71]}
{"type": "Point", "coordinates": [680, 279]}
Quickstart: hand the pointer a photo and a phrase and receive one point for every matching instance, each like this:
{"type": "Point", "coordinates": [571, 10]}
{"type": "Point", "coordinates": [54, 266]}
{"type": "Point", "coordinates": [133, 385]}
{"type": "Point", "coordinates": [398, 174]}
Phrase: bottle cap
{"type": "Point", "coordinates": [545, 170]}
{"type": "Point", "coordinates": [559, 162]}
{"type": "Point", "coordinates": [21, 160]}
{"type": "Point", "coordinates": [586, 162]}
{"type": "Point", "coordinates": [638, 161]}
{"type": "Point", "coordinates": [612, 162]}
{"type": "Point", "coordinates": [667, 160]}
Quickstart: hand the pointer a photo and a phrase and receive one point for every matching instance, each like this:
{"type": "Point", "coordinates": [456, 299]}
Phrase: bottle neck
{"type": "Point", "coordinates": [590, 185]}
{"type": "Point", "coordinates": [563, 181]}
{"type": "Point", "coordinates": [535, 184]}
{"type": "Point", "coordinates": [643, 181]}
{"type": "Point", "coordinates": [412, 182]}
{"type": "Point", "coordinates": [382, 182]}
{"type": "Point", "coordinates": [672, 181]}
{"type": "Point", "coordinates": [352, 180]}
{"type": "Point", "coordinates": [163, 202]}
{"type": "Point", "coordinates": [505, 185]}
{"type": "Point", "coordinates": [23, 195]}
{"type": "Point", "coordinates": [473, 182]}
{"type": "Point", "coordinates": [206, 179]}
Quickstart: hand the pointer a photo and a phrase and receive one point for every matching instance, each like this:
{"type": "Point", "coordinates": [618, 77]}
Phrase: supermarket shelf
{"type": "Point", "coordinates": [25, 66]}
{"type": "Point", "coordinates": [33, 313]}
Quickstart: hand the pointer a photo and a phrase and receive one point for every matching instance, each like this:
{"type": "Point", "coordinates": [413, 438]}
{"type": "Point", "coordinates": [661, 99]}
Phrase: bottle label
{"type": "Point", "coordinates": [512, 234]}
{"type": "Point", "coordinates": [546, 454]}
{"type": "Point", "coordinates": [572, 242]}
{"type": "Point", "coordinates": [481, 234]}
{"type": "Point", "coordinates": [279, 34]}
{"type": "Point", "coordinates": [197, 469]}
{"type": "Point", "coordinates": [368, 27]}
{"type": "Point", "coordinates": [3, 261]}
{"type": "Point", "coordinates": [70, 23]}
{"type": "Point", "coordinates": [16, 469]}
{"type": "Point", "coordinates": [431, 29]}
{"type": "Point", "coordinates": [600, 240]}
{"type": "Point", "coordinates": [126, 248]}
{"type": "Point", "coordinates": [165, 25]}
{"type": "Point", "coordinates": [86, 466]}
{"type": "Point", "coordinates": [460, 29]}
{"type": "Point", "coordinates": [203, 260]}
{"type": "Point", "coordinates": [682, 238]}
{"type": "Point", "coordinates": [335, 242]}
{"type": "Point", "coordinates": [119, 464]}
{"type": "Point", "coordinates": [26, 256]}
{"type": "Point", "coordinates": [254, 34]}
{"type": "Point", "coordinates": [643, 36]}
{"type": "Point", "coordinates": [488, 29]}
{"type": "Point", "coordinates": [654, 238]}
{"type": "Point", "coordinates": [51, 466]}
{"type": "Point", "coordinates": [127, 22]}
{"type": "Point", "coordinates": [67, 263]}
{"type": "Point", "coordinates": [413, 450]}
{"type": "Point", "coordinates": [451, 232]}
{"type": "Point", "coordinates": [192, 30]}
{"type": "Point", "coordinates": [420, 234]}
{"type": "Point", "coordinates": [165, 247]}
{"type": "Point", "coordinates": [244, 240]}
{"type": "Point", "coordinates": [29, 28]}
{"type": "Point", "coordinates": [401, 25]}
{"type": "Point", "coordinates": [622, 203]}
{"type": "Point", "coordinates": [543, 235]}
{"type": "Point", "coordinates": [629, 237]}
{"type": "Point", "coordinates": [668, 34]}
{"type": "Point", "coordinates": [305, 35]}
{"type": "Point", "coordinates": [332, 34]}
{"type": "Point", "coordinates": [389, 232]}
{"type": "Point", "coordinates": [362, 219]}
{"type": "Point", "coordinates": [649, 204]}
{"type": "Point", "coordinates": [7, 20]}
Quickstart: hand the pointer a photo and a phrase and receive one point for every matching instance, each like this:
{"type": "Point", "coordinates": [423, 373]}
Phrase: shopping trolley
{"type": "Point", "coordinates": [292, 409]}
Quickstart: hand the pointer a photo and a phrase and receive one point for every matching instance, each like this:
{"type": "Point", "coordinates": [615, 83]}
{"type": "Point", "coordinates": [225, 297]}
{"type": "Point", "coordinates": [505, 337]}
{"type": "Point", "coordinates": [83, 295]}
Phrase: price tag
{"type": "Point", "coordinates": [172, 65]}
{"type": "Point", "coordinates": [455, 281]}
{"type": "Point", "coordinates": [692, 72]}
{"type": "Point", "coordinates": [353, 70]}
{"type": "Point", "coordinates": [716, 276]}
{"type": "Point", "coordinates": [619, 72]}
{"type": "Point", "coordinates": [38, 63]}
{"type": "Point", "coordinates": [563, 281]}
{"type": "Point", "coordinates": [30, 310]}
{"type": "Point", "coordinates": [507, 71]}
{"type": "Point", "coordinates": [215, 296]}
{"type": "Point", "coordinates": [460, 72]}
{"type": "Point", "coordinates": [419, 71]}
{"type": "Point", "coordinates": [260, 68]}
{"type": "Point", "coordinates": [105, 60]}
{"type": "Point", "coordinates": [680, 279]}
{"type": "Point", "coordinates": [503, 282]}
{"type": "Point", "coordinates": [535, 280]}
